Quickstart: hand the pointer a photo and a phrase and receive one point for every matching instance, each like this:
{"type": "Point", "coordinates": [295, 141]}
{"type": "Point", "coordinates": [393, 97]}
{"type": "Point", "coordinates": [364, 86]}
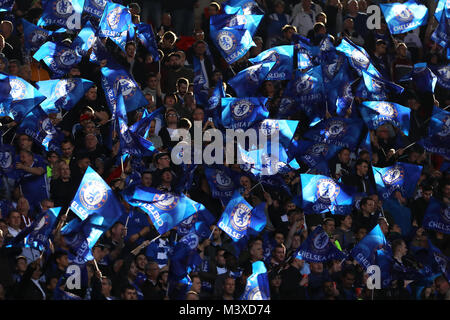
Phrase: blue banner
{"type": "Point", "coordinates": [39, 127]}
{"type": "Point", "coordinates": [115, 20]}
{"type": "Point", "coordinates": [404, 17]}
{"type": "Point", "coordinates": [318, 248]}
{"type": "Point", "coordinates": [242, 7]}
{"type": "Point", "coordinates": [341, 132]}
{"type": "Point", "coordinates": [378, 86]}
{"type": "Point", "coordinates": [443, 75]}
{"type": "Point", "coordinates": [438, 133]}
{"type": "Point", "coordinates": [247, 81]}
{"type": "Point", "coordinates": [166, 210]}
{"type": "Point", "coordinates": [145, 34]}
{"type": "Point", "coordinates": [322, 194]}
{"type": "Point", "coordinates": [58, 58]}
{"type": "Point", "coordinates": [63, 13]}
{"type": "Point", "coordinates": [213, 109]}
{"type": "Point", "coordinates": [241, 113]}
{"type": "Point", "coordinates": [357, 56]}
{"type": "Point", "coordinates": [437, 216]}
{"type": "Point", "coordinates": [84, 40]}
{"type": "Point", "coordinates": [95, 8]}
{"type": "Point", "coordinates": [402, 177]}
{"type": "Point", "coordinates": [284, 62]}
{"type": "Point", "coordinates": [221, 183]}
{"type": "Point", "coordinates": [423, 77]}
{"type": "Point", "coordinates": [377, 113]}
{"type": "Point", "coordinates": [315, 155]}
{"type": "Point", "coordinates": [283, 130]}
{"type": "Point", "coordinates": [201, 216]}
{"type": "Point", "coordinates": [94, 196]}
{"type": "Point", "coordinates": [7, 159]}
{"type": "Point", "coordinates": [257, 287]}
{"type": "Point", "coordinates": [33, 36]}
{"type": "Point", "coordinates": [63, 93]}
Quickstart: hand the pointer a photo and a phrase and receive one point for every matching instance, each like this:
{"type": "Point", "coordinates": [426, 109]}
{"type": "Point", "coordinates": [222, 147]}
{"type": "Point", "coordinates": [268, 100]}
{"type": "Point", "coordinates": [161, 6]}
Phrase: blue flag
{"type": "Point", "coordinates": [84, 40]}
{"type": "Point", "coordinates": [378, 86]}
{"type": "Point", "coordinates": [7, 162]}
{"type": "Point", "coordinates": [201, 216]}
{"type": "Point", "coordinates": [166, 210]}
{"type": "Point", "coordinates": [402, 177]}
{"type": "Point", "coordinates": [440, 262]}
{"type": "Point", "coordinates": [145, 34]}
{"type": "Point", "coordinates": [338, 90]}
{"type": "Point", "coordinates": [100, 52]}
{"type": "Point", "coordinates": [141, 127]}
{"type": "Point", "coordinates": [24, 97]}
{"type": "Point", "coordinates": [58, 58]}
{"type": "Point", "coordinates": [33, 36]}
{"type": "Point", "coordinates": [201, 89]}
{"type": "Point", "coordinates": [95, 8]}
{"type": "Point", "coordinates": [221, 183]}
{"type": "Point", "coordinates": [437, 216]}
{"type": "Point", "coordinates": [213, 108]}
{"type": "Point", "coordinates": [314, 154]}
{"type": "Point", "coordinates": [6, 5]}
{"type": "Point", "coordinates": [443, 75]}
{"type": "Point", "coordinates": [95, 196]}
{"type": "Point", "coordinates": [37, 234]}
{"type": "Point", "coordinates": [377, 113]}
{"type": "Point", "coordinates": [318, 248]}
{"type": "Point", "coordinates": [283, 130]}
{"type": "Point", "coordinates": [438, 133]}
{"type": "Point", "coordinates": [247, 81]}
{"type": "Point", "coordinates": [63, 13]}
{"type": "Point", "coordinates": [322, 194]}
{"type": "Point", "coordinates": [39, 127]}
{"type": "Point", "coordinates": [341, 132]}
{"type": "Point", "coordinates": [423, 77]}
{"type": "Point", "coordinates": [440, 9]}
{"type": "Point", "coordinates": [241, 113]}
{"type": "Point", "coordinates": [242, 7]}
{"type": "Point", "coordinates": [115, 20]}
{"type": "Point", "coordinates": [116, 79]}
{"type": "Point", "coordinates": [62, 94]}
{"type": "Point", "coordinates": [404, 17]}
{"type": "Point", "coordinates": [257, 287]}
{"type": "Point", "coordinates": [284, 62]}
{"type": "Point", "coordinates": [357, 56]}
{"type": "Point", "coordinates": [239, 216]}
{"type": "Point", "coordinates": [232, 34]}
{"type": "Point", "coordinates": [374, 249]}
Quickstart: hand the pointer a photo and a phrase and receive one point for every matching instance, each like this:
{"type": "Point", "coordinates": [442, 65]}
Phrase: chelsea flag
{"type": "Point", "coordinates": [404, 17]}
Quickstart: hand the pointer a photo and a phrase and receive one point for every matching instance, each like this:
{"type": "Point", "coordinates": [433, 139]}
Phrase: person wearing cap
{"type": "Point", "coordinates": [175, 70]}
{"type": "Point", "coordinates": [293, 285]}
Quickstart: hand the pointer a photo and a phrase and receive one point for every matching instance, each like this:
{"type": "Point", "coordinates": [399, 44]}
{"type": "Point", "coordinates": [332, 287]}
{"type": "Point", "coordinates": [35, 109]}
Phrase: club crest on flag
{"type": "Point", "coordinates": [237, 20]}
{"type": "Point", "coordinates": [18, 89]}
{"type": "Point", "coordinates": [127, 86]}
{"type": "Point", "coordinates": [304, 85]}
{"type": "Point", "coordinates": [222, 180]}
{"type": "Point", "coordinates": [255, 294]}
{"type": "Point", "coordinates": [113, 17]}
{"type": "Point", "coordinates": [99, 3]}
{"type": "Point", "coordinates": [403, 13]}
{"type": "Point", "coordinates": [63, 8]}
{"type": "Point", "coordinates": [38, 36]}
{"type": "Point", "coordinates": [226, 40]}
{"type": "Point", "coordinates": [445, 213]}
{"type": "Point", "coordinates": [334, 129]}
{"type": "Point", "coordinates": [252, 74]}
{"type": "Point", "coordinates": [285, 105]}
{"type": "Point", "coordinates": [47, 126]}
{"type": "Point", "coordinates": [247, 7]}
{"type": "Point", "coordinates": [386, 109]}
{"type": "Point", "coordinates": [318, 149]}
{"type": "Point", "coordinates": [43, 222]}
{"type": "Point", "coordinates": [241, 109]}
{"type": "Point", "coordinates": [327, 190]}
{"type": "Point", "coordinates": [393, 175]}
{"type": "Point", "coordinates": [269, 127]}
{"type": "Point", "coordinates": [67, 57]}
{"type": "Point", "coordinates": [93, 195]}
{"type": "Point", "coordinates": [213, 101]}
{"type": "Point", "coordinates": [445, 128]}
{"type": "Point", "coordinates": [320, 242]}
{"type": "Point", "coordinates": [5, 160]}
{"type": "Point", "coordinates": [240, 217]}
{"type": "Point", "coordinates": [359, 59]}
{"type": "Point", "coordinates": [376, 85]}
{"type": "Point", "coordinates": [272, 56]}
{"type": "Point", "coordinates": [165, 201]}
{"type": "Point", "coordinates": [64, 87]}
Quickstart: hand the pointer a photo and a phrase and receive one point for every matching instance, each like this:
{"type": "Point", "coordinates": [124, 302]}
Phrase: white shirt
{"type": "Point", "coordinates": [13, 232]}
{"type": "Point", "coordinates": [36, 282]}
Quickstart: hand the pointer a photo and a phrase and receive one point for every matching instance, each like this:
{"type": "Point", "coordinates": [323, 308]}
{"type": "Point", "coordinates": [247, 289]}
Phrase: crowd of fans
{"type": "Point", "coordinates": [44, 180]}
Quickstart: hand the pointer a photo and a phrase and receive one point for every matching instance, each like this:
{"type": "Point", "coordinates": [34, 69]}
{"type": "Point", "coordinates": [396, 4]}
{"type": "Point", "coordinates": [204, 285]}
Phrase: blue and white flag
{"type": "Point", "coordinates": [166, 210]}
{"type": "Point", "coordinates": [33, 36]}
{"type": "Point", "coordinates": [440, 262]}
{"type": "Point", "coordinates": [36, 235]}
{"type": "Point", "coordinates": [284, 62]}
{"type": "Point", "coordinates": [314, 154]}
{"type": "Point", "coordinates": [24, 97]}
{"type": "Point", "coordinates": [63, 93]}
{"type": "Point", "coordinates": [84, 40]}
{"type": "Point", "coordinates": [377, 113]}
{"type": "Point", "coordinates": [221, 182]}
{"type": "Point", "coordinates": [437, 140]}
{"type": "Point", "coordinates": [145, 34]}
{"type": "Point", "coordinates": [239, 217]}
{"type": "Point", "coordinates": [39, 127]}
{"type": "Point", "coordinates": [283, 130]}
{"type": "Point", "coordinates": [58, 58]}
{"type": "Point", "coordinates": [378, 86]}
{"type": "Point", "coordinates": [115, 78]}
{"type": "Point", "coordinates": [424, 79]}
{"type": "Point", "coordinates": [6, 5]}
{"type": "Point", "coordinates": [441, 34]}
{"type": "Point", "coordinates": [443, 75]}
{"type": "Point", "coordinates": [115, 20]}
{"type": "Point", "coordinates": [401, 177]}
{"type": "Point", "coordinates": [7, 159]}
{"type": "Point", "coordinates": [437, 216]}
{"type": "Point", "coordinates": [257, 287]}
{"type": "Point", "coordinates": [94, 196]}
{"type": "Point", "coordinates": [201, 216]}
{"type": "Point", "coordinates": [341, 132]}
{"type": "Point", "coordinates": [242, 7]}
{"type": "Point", "coordinates": [63, 13]}
{"type": "Point", "coordinates": [213, 109]}
{"type": "Point", "coordinates": [241, 113]}
{"type": "Point", "coordinates": [322, 194]}
{"type": "Point", "coordinates": [247, 81]}
{"type": "Point", "coordinates": [404, 17]}
{"type": "Point", "coordinates": [357, 56]}
{"type": "Point", "coordinates": [232, 34]}
{"type": "Point", "coordinates": [100, 52]}
{"type": "Point", "coordinates": [338, 90]}
{"type": "Point", "coordinates": [142, 126]}
{"type": "Point", "coordinates": [318, 248]}
{"type": "Point", "coordinates": [95, 8]}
